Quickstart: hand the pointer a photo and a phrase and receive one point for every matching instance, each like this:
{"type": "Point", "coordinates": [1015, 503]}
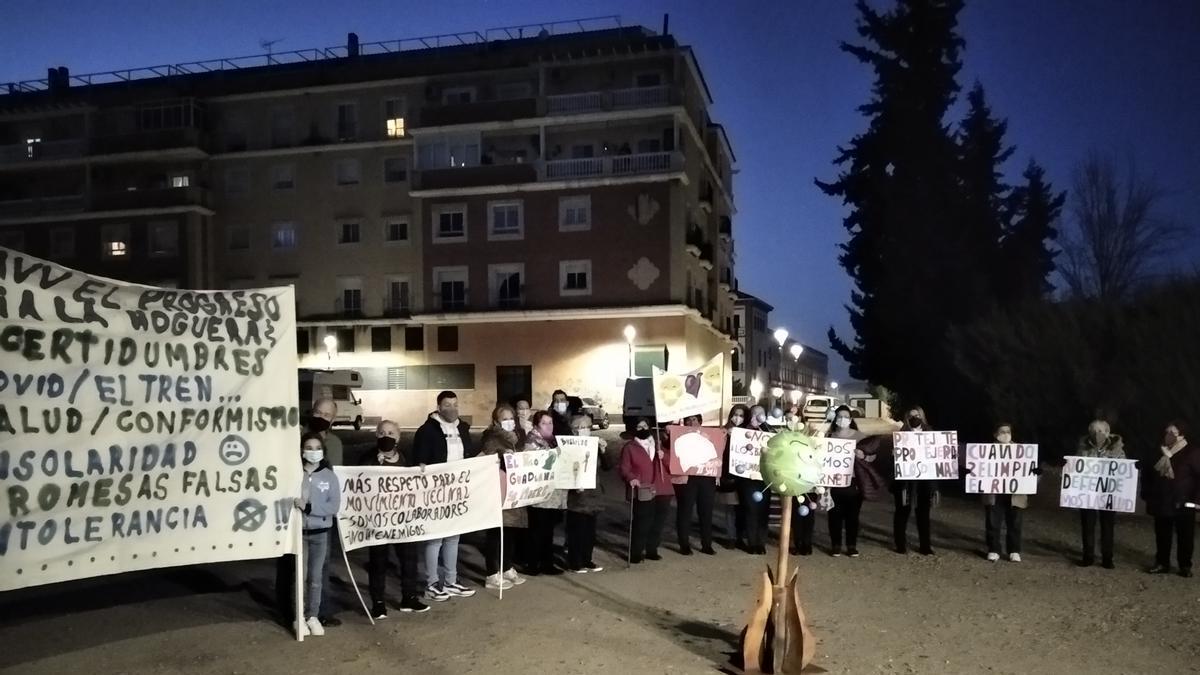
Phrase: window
{"type": "Point", "coordinates": [454, 376]}
{"type": "Point", "coordinates": [62, 243]}
{"type": "Point", "coordinates": [514, 90]}
{"type": "Point", "coordinates": [647, 357]}
{"type": "Point", "coordinates": [348, 172]}
{"type": "Point", "coordinates": [393, 117]}
{"type": "Point", "coordinates": [505, 285]}
{"type": "Point", "coordinates": [451, 150]}
{"type": "Point", "coordinates": [347, 122]}
{"type": "Point", "coordinates": [381, 338]}
{"type": "Point", "coordinates": [283, 120]}
{"type": "Point", "coordinates": [575, 213]}
{"type": "Point", "coordinates": [237, 180]}
{"type": "Point", "coordinates": [414, 338]}
{"type": "Point", "coordinates": [449, 223]}
{"type": "Point", "coordinates": [283, 177]}
{"type": "Point", "coordinates": [31, 147]}
{"type": "Point", "coordinates": [398, 298]}
{"type": "Point", "coordinates": [651, 79]}
{"type": "Point", "coordinates": [349, 295]}
{"type": "Point", "coordinates": [737, 361]}
{"type": "Point", "coordinates": [575, 277]}
{"type": "Point", "coordinates": [447, 338]}
{"type": "Point", "coordinates": [345, 339]}
{"type": "Point", "coordinates": [114, 240]}
{"type": "Point", "coordinates": [395, 231]}
{"type": "Point", "coordinates": [455, 95]}
{"type": "Point", "coordinates": [181, 181]}
{"type": "Point", "coordinates": [13, 238]}
{"type": "Point", "coordinates": [302, 344]}
{"type": "Point", "coordinates": [239, 238]}
{"type": "Point", "coordinates": [395, 170]}
{"type": "Point", "coordinates": [450, 288]}
{"type": "Point", "coordinates": [506, 220]}
{"type": "Point", "coordinates": [283, 236]}
{"type": "Point", "coordinates": [164, 239]}
{"type": "Point", "coordinates": [348, 233]}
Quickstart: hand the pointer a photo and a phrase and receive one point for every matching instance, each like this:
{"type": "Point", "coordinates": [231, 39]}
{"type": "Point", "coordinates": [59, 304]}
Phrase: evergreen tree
{"type": "Point", "coordinates": [984, 205]}
{"type": "Point", "coordinates": [1026, 255]}
{"type": "Point", "coordinates": [899, 180]}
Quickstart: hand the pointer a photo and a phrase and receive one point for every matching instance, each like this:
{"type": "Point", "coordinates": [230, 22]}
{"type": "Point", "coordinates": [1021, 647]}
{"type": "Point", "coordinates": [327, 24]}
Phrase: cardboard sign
{"type": "Point", "coordinates": [141, 427]}
{"type": "Point", "coordinates": [386, 505]}
{"type": "Point", "coordinates": [1001, 468]}
{"type": "Point", "coordinates": [1100, 484]}
{"type": "Point", "coordinates": [837, 462]}
{"type": "Point", "coordinates": [696, 451]}
{"type": "Point", "coordinates": [925, 455]}
{"type": "Point", "coordinates": [745, 451]}
{"type": "Point", "coordinates": [578, 457]}
{"type": "Point", "coordinates": [680, 395]}
{"type": "Point", "coordinates": [529, 477]}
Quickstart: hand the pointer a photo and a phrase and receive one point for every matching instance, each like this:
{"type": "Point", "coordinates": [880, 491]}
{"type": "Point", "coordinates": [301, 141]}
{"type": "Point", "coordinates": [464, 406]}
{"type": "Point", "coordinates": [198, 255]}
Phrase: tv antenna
{"type": "Point", "coordinates": [269, 45]}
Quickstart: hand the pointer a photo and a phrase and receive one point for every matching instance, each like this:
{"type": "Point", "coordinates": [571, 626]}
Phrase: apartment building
{"type": "Point", "coordinates": [480, 212]}
{"type": "Point", "coordinates": [781, 374]}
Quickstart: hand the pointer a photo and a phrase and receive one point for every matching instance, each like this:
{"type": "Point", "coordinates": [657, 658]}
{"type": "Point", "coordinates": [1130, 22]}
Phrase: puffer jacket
{"type": "Point", "coordinates": [1113, 448]}
{"type": "Point", "coordinates": [322, 497]}
{"type": "Point", "coordinates": [497, 441]}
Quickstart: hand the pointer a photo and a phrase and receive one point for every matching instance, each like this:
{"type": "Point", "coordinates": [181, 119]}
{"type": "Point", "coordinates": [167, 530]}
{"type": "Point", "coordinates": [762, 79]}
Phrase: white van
{"type": "Point", "coordinates": [818, 408]}
{"type": "Point", "coordinates": [338, 385]}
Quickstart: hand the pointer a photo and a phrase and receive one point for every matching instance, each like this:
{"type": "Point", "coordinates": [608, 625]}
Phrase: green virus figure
{"type": "Point", "coordinates": [791, 465]}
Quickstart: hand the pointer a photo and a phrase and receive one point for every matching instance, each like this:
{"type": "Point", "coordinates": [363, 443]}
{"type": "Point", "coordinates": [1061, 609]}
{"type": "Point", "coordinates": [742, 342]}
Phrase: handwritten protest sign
{"type": "Point", "coordinates": [837, 462]}
{"type": "Point", "coordinates": [1001, 468]}
{"type": "Point", "coordinates": [1100, 484]}
{"type": "Point", "coordinates": [577, 460]}
{"type": "Point", "coordinates": [926, 455]}
{"type": "Point", "coordinates": [696, 451]}
{"type": "Point", "coordinates": [745, 451]}
{"type": "Point", "coordinates": [385, 505]}
{"type": "Point", "coordinates": [141, 427]}
{"type": "Point", "coordinates": [680, 395]}
{"type": "Point", "coordinates": [529, 477]}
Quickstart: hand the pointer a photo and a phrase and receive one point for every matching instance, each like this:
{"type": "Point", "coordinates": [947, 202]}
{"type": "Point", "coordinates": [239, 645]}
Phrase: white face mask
{"type": "Point", "coordinates": [313, 456]}
{"type": "Point", "coordinates": [560, 407]}
{"type": "Point", "coordinates": [508, 425]}
{"type": "Point", "coordinates": [737, 420]}
{"type": "Point", "coordinates": [842, 422]}
{"type": "Point", "coordinates": [583, 432]}
{"type": "Point", "coordinates": [1004, 437]}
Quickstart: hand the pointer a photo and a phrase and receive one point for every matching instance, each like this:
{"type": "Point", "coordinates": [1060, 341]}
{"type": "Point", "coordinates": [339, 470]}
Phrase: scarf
{"type": "Point", "coordinates": [1163, 465]}
{"type": "Point", "coordinates": [647, 445]}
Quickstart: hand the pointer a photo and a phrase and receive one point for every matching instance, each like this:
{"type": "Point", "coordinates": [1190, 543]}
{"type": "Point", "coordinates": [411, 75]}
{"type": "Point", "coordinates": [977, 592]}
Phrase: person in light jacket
{"type": "Point", "coordinates": [1172, 482]}
{"type": "Point", "coordinates": [319, 500]}
{"type": "Point", "coordinates": [1004, 511]}
{"type": "Point", "coordinates": [649, 488]}
{"type": "Point", "coordinates": [847, 501]}
{"type": "Point", "coordinates": [500, 438]}
{"type": "Point", "coordinates": [1099, 442]}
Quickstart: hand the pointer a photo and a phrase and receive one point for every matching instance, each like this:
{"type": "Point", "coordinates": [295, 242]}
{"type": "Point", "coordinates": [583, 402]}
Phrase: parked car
{"type": "Point", "coordinates": [596, 409]}
{"type": "Point", "coordinates": [818, 408]}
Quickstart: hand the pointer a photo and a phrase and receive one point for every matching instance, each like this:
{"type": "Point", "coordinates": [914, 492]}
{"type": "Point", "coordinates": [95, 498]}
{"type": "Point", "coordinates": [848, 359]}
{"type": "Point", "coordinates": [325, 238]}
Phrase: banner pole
{"type": "Point", "coordinates": [299, 575]}
{"type": "Point", "coordinates": [337, 522]}
{"type": "Point", "coordinates": [501, 561]}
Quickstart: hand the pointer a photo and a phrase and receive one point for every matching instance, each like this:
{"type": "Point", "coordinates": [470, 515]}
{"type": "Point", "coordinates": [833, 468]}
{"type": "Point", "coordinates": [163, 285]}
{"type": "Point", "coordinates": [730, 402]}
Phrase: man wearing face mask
{"type": "Point", "coordinates": [387, 453]}
{"type": "Point", "coordinates": [320, 422]}
{"type": "Point", "coordinates": [1099, 442]}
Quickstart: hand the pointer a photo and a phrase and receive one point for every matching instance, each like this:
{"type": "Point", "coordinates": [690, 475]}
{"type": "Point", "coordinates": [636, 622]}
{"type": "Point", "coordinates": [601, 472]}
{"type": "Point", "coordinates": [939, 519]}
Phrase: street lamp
{"type": "Point", "coordinates": [630, 334]}
{"type": "Point", "coordinates": [797, 350]}
{"type": "Point", "coordinates": [781, 336]}
{"type": "Point", "coordinates": [330, 346]}
{"type": "Point", "coordinates": [795, 394]}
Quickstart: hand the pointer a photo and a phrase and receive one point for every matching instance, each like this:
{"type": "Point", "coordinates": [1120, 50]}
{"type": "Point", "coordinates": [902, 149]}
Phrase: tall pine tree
{"type": "Point", "coordinates": [984, 206]}
{"type": "Point", "coordinates": [899, 180]}
{"type": "Point", "coordinates": [1026, 256]}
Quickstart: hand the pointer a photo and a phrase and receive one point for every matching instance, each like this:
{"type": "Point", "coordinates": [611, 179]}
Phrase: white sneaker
{"type": "Point", "coordinates": [514, 578]}
{"type": "Point", "coordinates": [1014, 557]}
{"type": "Point", "coordinates": [436, 594]}
{"type": "Point", "coordinates": [498, 581]}
{"type": "Point", "coordinates": [315, 627]}
{"type": "Point", "coordinates": [457, 591]}
{"type": "Point", "coordinates": [302, 628]}
{"type": "Point", "coordinates": [993, 557]}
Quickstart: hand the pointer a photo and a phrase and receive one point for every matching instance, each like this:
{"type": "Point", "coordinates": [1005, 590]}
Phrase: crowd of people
{"type": "Point", "coordinates": [1170, 486]}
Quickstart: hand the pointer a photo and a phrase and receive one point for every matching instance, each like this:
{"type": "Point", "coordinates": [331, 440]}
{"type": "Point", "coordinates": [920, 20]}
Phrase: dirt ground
{"type": "Point", "coordinates": [881, 613]}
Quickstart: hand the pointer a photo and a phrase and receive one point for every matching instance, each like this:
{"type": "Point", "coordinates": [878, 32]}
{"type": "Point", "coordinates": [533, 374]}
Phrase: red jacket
{"type": "Point", "coordinates": [636, 464]}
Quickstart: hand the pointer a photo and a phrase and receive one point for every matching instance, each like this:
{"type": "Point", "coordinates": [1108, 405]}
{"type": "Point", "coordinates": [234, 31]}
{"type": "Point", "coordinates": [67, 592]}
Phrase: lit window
{"type": "Point", "coordinates": [180, 181]}
{"type": "Point", "coordinates": [575, 277]}
{"type": "Point", "coordinates": [283, 236]}
{"type": "Point", "coordinates": [115, 241]}
{"type": "Point", "coordinates": [450, 223]}
{"type": "Point", "coordinates": [505, 220]}
{"type": "Point", "coordinates": [393, 116]}
{"type": "Point", "coordinates": [31, 147]}
{"type": "Point", "coordinates": [574, 213]}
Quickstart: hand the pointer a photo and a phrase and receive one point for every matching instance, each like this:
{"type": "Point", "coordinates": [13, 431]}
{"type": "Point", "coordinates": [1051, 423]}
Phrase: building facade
{"type": "Point", "coordinates": [760, 363]}
{"type": "Point", "coordinates": [486, 217]}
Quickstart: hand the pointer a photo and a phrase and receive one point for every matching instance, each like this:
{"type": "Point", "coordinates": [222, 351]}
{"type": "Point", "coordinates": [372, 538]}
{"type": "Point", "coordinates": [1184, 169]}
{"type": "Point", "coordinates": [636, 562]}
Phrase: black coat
{"type": "Point", "coordinates": [429, 443]}
{"type": "Point", "coordinates": [1164, 495]}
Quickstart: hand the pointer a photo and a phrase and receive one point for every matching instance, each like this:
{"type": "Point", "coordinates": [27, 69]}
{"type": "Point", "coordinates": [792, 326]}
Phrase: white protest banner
{"type": "Point", "coordinates": [1099, 483]}
{"type": "Point", "coordinates": [141, 427]}
{"type": "Point", "coordinates": [1001, 468]}
{"type": "Point", "coordinates": [529, 477]}
{"type": "Point", "coordinates": [680, 395]}
{"type": "Point", "coordinates": [925, 455]}
{"type": "Point", "coordinates": [577, 460]}
{"type": "Point", "coordinates": [386, 505]}
{"type": "Point", "coordinates": [745, 451]}
{"type": "Point", "coordinates": [837, 464]}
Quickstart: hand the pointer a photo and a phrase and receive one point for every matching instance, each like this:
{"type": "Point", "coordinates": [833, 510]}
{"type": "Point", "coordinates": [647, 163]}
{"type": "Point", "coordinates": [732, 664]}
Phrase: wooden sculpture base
{"type": "Point", "coordinates": [777, 638]}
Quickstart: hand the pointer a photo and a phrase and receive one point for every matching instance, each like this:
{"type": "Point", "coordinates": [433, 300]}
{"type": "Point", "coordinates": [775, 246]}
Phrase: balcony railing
{"type": "Point", "coordinates": [616, 99]}
{"type": "Point", "coordinates": [42, 206]}
{"type": "Point", "coordinates": [149, 199]}
{"type": "Point", "coordinates": [479, 111]}
{"type": "Point", "coordinates": [615, 165]}
{"type": "Point", "coordinates": [42, 151]}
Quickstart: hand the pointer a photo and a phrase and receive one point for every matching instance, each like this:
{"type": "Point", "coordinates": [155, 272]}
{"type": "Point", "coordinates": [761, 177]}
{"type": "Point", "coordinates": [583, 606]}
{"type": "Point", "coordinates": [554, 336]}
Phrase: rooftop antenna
{"type": "Point", "coordinates": [269, 46]}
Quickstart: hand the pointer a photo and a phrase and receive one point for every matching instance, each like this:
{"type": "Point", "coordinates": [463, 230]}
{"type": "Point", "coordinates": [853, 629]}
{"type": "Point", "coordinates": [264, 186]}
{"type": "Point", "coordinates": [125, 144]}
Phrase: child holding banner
{"type": "Point", "coordinates": [1099, 442]}
{"type": "Point", "coordinates": [847, 501]}
{"type": "Point", "coordinates": [319, 499]}
{"type": "Point", "coordinates": [1172, 482]}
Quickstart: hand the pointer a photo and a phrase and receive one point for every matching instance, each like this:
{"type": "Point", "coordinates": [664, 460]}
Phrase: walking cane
{"type": "Point", "coordinates": [629, 545]}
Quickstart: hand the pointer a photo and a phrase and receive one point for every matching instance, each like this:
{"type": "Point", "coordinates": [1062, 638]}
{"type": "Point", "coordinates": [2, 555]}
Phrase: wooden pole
{"type": "Point", "coordinates": [779, 645]}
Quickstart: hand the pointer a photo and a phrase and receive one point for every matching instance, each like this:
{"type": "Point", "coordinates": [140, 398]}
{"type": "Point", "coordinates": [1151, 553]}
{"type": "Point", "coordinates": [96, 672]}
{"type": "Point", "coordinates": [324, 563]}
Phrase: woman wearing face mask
{"type": "Point", "coordinates": [560, 407]}
{"type": "Point", "coordinates": [847, 501]}
{"type": "Point", "coordinates": [1100, 442]}
{"type": "Point", "coordinates": [1173, 480]}
{"type": "Point", "coordinates": [319, 500]}
{"type": "Point", "coordinates": [905, 492]}
{"type": "Point", "coordinates": [699, 493]}
{"type": "Point", "coordinates": [524, 420]}
{"type": "Point", "coordinates": [1004, 511]}
{"type": "Point", "coordinates": [757, 512]}
{"type": "Point", "coordinates": [544, 516]}
{"type": "Point", "coordinates": [584, 506]}
{"type": "Point", "coordinates": [649, 484]}
{"type": "Point", "coordinates": [735, 519]}
{"type": "Point", "coordinates": [500, 438]}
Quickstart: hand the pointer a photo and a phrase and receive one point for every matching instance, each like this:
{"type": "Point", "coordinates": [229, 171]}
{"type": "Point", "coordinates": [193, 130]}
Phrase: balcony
{"type": "Point", "coordinates": [160, 139]}
{"type": "Point", "coordinates": [700, 247]}
{"type": "Point", "coordinates": [43, 151]}
{"type": "Point", "coordinates": [474, 176]}
{"type": "Point", "coordinates": [614, 165]}
{"type": "Point", "coordinates": [41, 206]}
{"type": "Point", "coordinates": [725, 229]}
{"type": "Point", "coordinates": [479, 111]}
{"type": "Point", "coordinates": [603, 101]}
{"type": "Point", "coordinates": [160, 198]}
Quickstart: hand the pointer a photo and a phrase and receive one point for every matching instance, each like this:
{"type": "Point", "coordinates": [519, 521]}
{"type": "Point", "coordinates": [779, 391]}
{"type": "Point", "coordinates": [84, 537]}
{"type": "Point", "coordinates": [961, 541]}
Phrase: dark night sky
{"type": "Point", "coordinates": [1116, 76]}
